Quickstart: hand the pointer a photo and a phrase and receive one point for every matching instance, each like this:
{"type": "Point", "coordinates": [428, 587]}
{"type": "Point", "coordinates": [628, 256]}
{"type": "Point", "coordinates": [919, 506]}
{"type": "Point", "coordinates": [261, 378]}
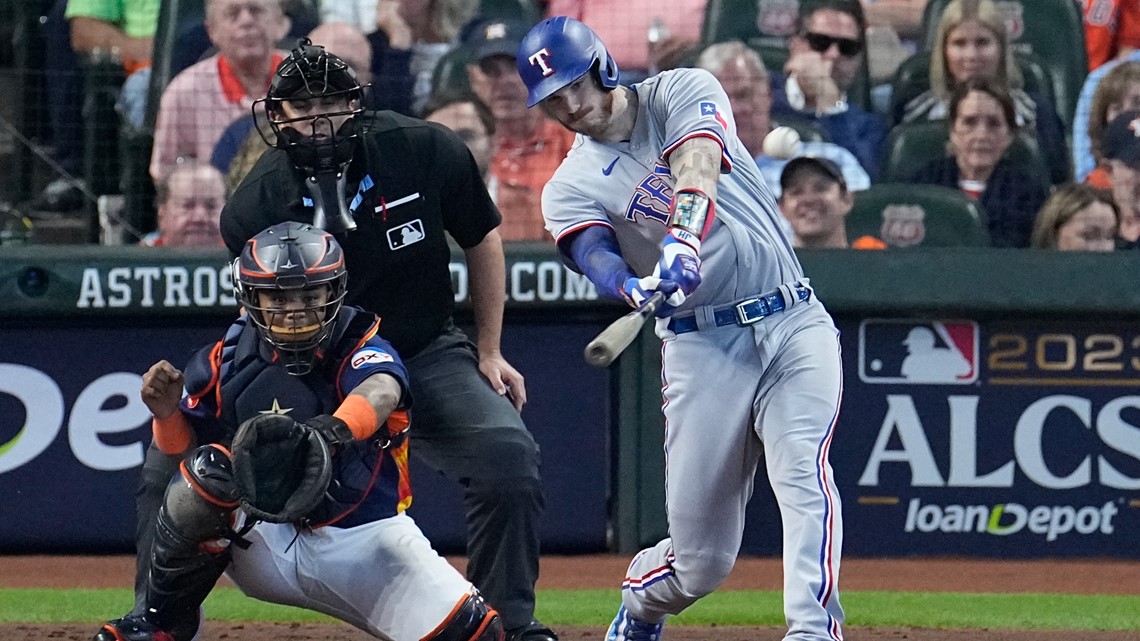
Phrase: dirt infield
{"type": "Point", "coordinates": [917, 575]}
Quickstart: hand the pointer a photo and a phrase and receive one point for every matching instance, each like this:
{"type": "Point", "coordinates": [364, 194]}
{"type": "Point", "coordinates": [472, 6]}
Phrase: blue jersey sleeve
{"type": "Point", "coordinates": [375, 356]}
{"type": "Point", "coordinates": [200, 403]}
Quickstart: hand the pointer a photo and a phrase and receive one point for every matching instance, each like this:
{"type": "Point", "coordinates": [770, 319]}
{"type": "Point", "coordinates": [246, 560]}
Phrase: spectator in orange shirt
{"type": "Point", "coordinates": [207, 97]}
{"type": "Point", "coordinates": [528, 146]}
{"type": "Point", "coordinates": [1112, 29]}
{"type": "Point", "coordinates": [815, 200]}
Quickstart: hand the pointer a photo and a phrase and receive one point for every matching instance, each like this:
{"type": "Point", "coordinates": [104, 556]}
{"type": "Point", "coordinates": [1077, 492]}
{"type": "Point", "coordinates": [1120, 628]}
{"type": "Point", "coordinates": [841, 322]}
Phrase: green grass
{"type": "Point", "coordinates": [596, 607]}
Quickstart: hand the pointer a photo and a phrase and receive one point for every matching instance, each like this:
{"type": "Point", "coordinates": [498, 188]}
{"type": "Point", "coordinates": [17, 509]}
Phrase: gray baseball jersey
{"type": "Point", "coordinates": [627, 186]}
{"type": "Point", "coordinates": [731, 392]}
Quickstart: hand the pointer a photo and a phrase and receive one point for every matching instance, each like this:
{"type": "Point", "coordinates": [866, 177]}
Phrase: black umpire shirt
{"type": "Point", "coordinates": [409, 182]}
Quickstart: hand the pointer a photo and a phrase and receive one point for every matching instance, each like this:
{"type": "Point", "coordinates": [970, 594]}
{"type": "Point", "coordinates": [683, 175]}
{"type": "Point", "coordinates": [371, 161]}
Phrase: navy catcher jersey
{"type": "Point", "coordinates": [235, 379]}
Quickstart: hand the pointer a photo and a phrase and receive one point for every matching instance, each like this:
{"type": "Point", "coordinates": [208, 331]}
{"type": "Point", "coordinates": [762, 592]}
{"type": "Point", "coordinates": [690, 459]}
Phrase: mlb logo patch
{"type": "Point", "coordinates": [371, 356]}
{"type": "Point", "coordinates": [409, 233]}
{"type": "Point", "coordinates": [918, 352]}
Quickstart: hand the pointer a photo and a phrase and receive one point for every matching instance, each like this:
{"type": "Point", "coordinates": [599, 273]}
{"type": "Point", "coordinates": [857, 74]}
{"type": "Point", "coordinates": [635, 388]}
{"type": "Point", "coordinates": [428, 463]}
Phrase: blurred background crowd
{"type": "Point", "coordinates": [1004, 123]}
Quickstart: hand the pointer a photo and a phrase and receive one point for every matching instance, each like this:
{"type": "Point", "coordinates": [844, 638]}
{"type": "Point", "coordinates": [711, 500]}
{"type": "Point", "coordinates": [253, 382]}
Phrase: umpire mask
{"type": "Point", "coordinates": [311, 109]}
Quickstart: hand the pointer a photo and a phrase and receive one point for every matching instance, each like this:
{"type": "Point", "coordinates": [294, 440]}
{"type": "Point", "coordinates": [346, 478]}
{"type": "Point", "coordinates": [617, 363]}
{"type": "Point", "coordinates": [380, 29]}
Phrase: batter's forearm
{"type": "Point", "coordinates": [370, 404]}
{"type": "Point", "coordinates": [695, 164]}
{"type": "Point", "coordinates": [487, 270]}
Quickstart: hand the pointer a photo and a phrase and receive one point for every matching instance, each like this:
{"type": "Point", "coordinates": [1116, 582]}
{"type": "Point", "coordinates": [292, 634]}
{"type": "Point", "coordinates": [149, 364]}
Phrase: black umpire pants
{"type": "Point", "coordinates": [464, 429]}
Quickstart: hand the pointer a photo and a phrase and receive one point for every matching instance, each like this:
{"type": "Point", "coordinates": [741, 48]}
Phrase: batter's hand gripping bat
{"type": "Point", "coordinates": [606, 346]}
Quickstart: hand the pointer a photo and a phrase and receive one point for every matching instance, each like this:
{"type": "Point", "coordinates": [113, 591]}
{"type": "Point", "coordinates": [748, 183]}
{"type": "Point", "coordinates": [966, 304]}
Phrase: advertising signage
{"type": "Point", "coordinates": [994, 438]}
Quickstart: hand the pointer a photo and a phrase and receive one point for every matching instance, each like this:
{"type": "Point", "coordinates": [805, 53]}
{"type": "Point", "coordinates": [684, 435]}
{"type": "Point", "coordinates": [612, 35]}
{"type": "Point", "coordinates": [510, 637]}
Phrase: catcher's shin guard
{"type": "Point", "coordinates": [186, 558]}
{"type": "Point", "coordinates": [474, 620]}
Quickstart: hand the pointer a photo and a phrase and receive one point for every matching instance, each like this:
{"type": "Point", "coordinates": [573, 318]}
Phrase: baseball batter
{"type": "Point", "coordinates": [658, 194]}
{"type": "Point", "coordinates": [295, 356]}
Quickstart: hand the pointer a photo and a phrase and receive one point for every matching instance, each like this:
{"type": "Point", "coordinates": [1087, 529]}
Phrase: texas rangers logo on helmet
{"type": "Point", "coordinates": [918, 352]}
{"type": "Point", "coordinates": [539, 58]}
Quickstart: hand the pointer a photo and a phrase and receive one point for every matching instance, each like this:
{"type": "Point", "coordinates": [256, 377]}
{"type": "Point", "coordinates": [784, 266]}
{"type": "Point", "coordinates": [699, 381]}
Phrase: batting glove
{"type": "Point", "coordinates": [680, 260]}
{"type": "Point", "coordinates": [637, 290]}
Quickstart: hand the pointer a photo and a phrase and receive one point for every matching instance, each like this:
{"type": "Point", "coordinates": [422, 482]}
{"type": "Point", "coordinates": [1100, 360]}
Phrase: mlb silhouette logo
{"type": "Point", "coordinates": [922, 352]}
{"type": "Point", "coordinates": [409, 233]}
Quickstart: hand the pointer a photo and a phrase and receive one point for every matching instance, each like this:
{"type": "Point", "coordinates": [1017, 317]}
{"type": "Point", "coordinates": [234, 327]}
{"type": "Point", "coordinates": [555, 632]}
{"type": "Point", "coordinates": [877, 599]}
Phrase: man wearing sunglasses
{"type": "Point", "coordinates": [826, 54]}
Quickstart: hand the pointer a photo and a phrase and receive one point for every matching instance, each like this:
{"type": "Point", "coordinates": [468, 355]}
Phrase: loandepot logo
{"type": "Point", "coordinates": [1004, 519]}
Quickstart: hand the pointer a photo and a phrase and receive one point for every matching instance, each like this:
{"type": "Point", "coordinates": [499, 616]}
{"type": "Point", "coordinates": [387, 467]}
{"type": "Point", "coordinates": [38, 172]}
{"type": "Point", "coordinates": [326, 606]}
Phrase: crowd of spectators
{"type": "Point", "coordinates": [830, 69]}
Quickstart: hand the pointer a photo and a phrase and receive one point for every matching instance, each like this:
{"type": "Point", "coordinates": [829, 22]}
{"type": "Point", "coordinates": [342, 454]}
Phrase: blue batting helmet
{"type": "Point", "coordinates": [558, 51]}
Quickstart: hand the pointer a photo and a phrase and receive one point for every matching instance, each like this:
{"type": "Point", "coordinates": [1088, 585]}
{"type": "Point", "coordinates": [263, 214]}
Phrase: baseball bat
{"type": "Point", "coordinates": [607, 345]}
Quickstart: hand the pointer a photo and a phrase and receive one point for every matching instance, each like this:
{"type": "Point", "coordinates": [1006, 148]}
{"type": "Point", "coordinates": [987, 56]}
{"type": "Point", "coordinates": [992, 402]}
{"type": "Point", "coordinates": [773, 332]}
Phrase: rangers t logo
{"type": "Point", "coordinates": [916, 352]}
{"type": "Point", "coordinates": [539, 58]}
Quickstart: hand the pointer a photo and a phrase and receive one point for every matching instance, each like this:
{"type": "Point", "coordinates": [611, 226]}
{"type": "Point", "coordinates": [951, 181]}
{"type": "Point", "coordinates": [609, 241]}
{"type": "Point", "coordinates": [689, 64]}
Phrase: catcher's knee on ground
{"type": "Point", "coordinates": [474, 620]}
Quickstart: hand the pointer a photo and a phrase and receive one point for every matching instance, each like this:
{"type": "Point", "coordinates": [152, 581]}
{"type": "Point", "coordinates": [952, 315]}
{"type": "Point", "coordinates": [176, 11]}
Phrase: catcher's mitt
{"type": "Point", "coordinates": [281, 468]}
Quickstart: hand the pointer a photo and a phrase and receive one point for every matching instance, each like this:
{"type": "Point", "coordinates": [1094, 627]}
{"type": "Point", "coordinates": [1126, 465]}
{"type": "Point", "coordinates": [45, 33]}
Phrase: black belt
{"type": "Point", "coordinates": [746, 312]}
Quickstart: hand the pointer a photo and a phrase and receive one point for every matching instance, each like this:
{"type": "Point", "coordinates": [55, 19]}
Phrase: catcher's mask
{"type": "Point", "coordinates": [311, 109]}
{"type": "Point", "coordinates": [291, 280]}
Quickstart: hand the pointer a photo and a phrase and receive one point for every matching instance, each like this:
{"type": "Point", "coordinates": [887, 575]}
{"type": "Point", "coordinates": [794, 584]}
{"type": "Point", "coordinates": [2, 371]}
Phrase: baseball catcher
{"type": "Point", "coordinates": [294, 480]}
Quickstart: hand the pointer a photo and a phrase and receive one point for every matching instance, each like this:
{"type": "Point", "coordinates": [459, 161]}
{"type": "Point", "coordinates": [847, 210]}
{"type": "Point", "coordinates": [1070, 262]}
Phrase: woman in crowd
{"type": "Point", "coordinates": [973, 44]}
{"type": "Point", "coordinates": [982, 126]}
{"type": "Point", "coordinates": [1077, 217]}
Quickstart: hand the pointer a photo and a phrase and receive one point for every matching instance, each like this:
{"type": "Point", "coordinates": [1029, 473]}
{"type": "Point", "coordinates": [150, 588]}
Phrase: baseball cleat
{"type": "Point", "coordinates": [627, 627]}
{"type": "Point", "coordinates": [131, 628]}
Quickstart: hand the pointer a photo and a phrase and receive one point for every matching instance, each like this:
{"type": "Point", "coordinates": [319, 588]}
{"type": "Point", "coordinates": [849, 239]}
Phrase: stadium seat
{"type": "Point", "coordinates": [904, 215]}
{"type": "Point", "coordinates": [912, 145]}
{"type": "Point", "coordinates": [522, 10]}
{"type": "Point", "coordinates": [738, 20]}
{"type": "Point", "coordinates": [913, 77]}
{"type": "Point", "coordinates": [1051, 30]}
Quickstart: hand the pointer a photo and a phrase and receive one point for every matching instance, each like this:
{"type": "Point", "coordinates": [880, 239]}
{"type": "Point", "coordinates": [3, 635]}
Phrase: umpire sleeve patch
{"type": "Point", "coordinates": [370, 356]}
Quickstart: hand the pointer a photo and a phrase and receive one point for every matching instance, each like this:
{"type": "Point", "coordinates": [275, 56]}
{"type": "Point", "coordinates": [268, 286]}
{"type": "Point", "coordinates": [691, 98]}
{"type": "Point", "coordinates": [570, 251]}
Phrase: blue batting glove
{"type": "Point", "coordinates": [637, 290]}
{"type": "Point", "coordinates": [680, 260]}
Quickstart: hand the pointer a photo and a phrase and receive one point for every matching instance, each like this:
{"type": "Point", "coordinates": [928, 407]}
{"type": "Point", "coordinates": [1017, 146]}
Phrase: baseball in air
{"type": "Point", "coordinates": [782, 143]}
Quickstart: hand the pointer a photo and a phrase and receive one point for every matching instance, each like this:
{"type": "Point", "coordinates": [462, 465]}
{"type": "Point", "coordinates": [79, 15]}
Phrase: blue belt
{"type": "Point", "coordinates": [743, 313]}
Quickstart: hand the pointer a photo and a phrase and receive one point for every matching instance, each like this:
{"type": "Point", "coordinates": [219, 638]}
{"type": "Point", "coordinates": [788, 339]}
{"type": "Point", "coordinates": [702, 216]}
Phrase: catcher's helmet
{"type": "Point", "coordinates": [293, 263]}
{"type": "Point", "coordinates": [558, 51]}
{"type": "Point", "coordinates": [310, 72]}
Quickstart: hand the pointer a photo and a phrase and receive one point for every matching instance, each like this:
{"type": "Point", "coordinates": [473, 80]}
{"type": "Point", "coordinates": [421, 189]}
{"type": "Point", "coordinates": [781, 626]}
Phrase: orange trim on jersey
{"type": "Point", "coordinates": [725, 161]}
{"type": "Point", "coordinates": [359, 415]}
{"type": "Point", "coordinates": [172, 434]}
{"type": "Point", "coordinates": [363, 495]}
{"type": "Point", "coordinates": [341, 394]}
{"type": "Point", "coordinates": [202, 491]}
{"type": "Point", "coordinates": [404, 489]}
{"type": "Point", "coordinates": [215, 372]}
